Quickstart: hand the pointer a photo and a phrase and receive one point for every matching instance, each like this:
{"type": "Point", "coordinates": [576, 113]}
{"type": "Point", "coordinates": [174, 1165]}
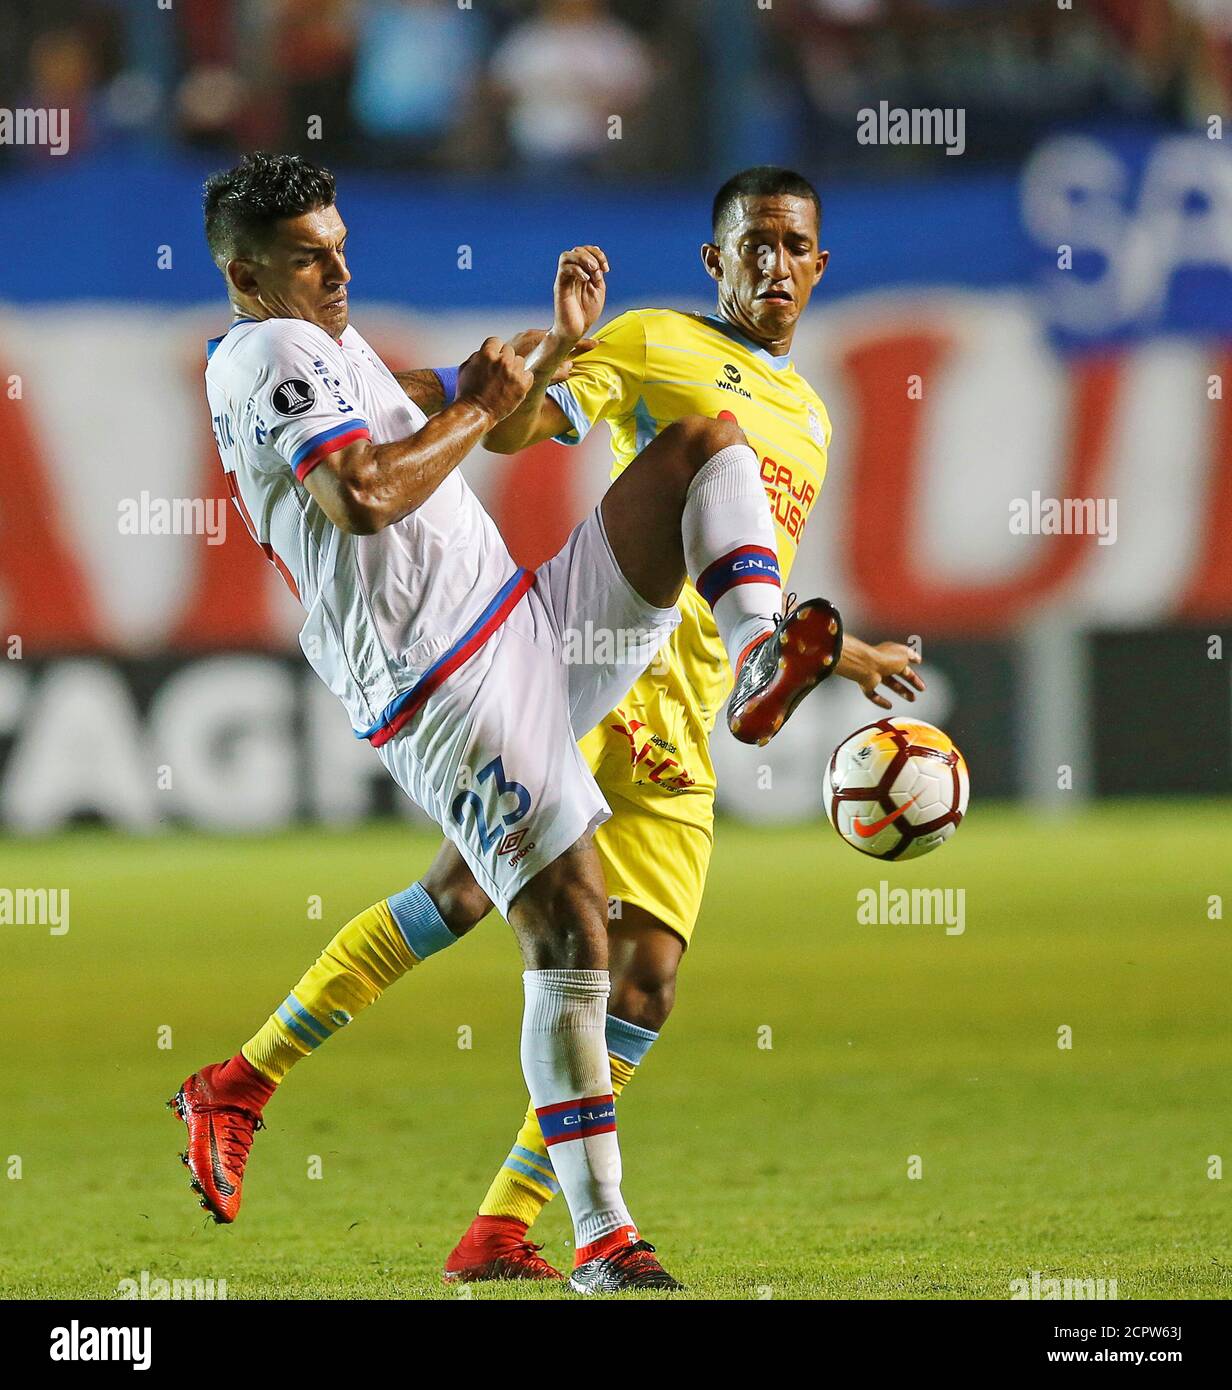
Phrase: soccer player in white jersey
{"type": "Point", "coordinates": [450, 659]}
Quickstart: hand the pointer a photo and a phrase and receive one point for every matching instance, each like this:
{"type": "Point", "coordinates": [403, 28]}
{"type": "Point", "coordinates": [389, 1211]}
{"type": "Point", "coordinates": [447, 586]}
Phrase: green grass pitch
{"type": "Point", "coordinates": [760, 1171]}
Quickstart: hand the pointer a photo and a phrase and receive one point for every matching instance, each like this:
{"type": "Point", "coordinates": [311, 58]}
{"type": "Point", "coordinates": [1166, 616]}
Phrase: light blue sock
{"type": "Point", "coordinates": [627, 1041]}
{"type": "Point", "coordinates": [422, 926]}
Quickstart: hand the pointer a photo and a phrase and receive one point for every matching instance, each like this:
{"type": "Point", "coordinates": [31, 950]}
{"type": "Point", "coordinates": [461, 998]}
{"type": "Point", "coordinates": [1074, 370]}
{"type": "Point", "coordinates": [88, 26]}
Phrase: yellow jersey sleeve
{"type": "Point", "coordinates": [606, 382]}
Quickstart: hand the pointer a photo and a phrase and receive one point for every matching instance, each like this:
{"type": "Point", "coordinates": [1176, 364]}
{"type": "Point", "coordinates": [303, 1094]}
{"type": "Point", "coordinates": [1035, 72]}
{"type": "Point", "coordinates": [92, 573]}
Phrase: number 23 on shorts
{"type": "Point", "coordinates": [470, 800]}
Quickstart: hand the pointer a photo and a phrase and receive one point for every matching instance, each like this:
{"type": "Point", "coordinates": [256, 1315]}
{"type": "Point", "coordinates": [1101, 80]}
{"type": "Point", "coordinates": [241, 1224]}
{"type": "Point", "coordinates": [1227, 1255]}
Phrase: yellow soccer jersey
{"type": "Point", "coordinates": [652, 367]}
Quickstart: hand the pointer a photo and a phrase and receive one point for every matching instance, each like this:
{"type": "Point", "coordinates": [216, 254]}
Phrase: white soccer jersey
{"type": "Point", "coordinates": [391, 615]}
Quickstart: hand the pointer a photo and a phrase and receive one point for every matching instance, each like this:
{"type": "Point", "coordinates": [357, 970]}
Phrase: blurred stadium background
{"type": "Point", "coordinates": [473, 143]}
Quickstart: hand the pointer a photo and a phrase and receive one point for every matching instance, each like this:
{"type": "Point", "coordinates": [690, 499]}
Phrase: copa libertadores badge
{"type": "Point", "coordinates": [294, 396]}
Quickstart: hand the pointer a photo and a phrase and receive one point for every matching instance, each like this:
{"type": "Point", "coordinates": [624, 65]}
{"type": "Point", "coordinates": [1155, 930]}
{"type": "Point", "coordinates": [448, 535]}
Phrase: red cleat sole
{"type": "Point", "coordinates": [809, 645]}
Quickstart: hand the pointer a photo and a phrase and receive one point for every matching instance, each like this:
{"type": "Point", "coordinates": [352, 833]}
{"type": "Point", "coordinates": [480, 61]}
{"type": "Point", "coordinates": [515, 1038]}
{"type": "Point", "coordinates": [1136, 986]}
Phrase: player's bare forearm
{"type": "Point", "coordinates": [887, 663]}
{"type": "Point", "coordinates": [537, 418]}
{"type": "Point", "coordinates": [424, 387]}
{"type": "Point", "coordinates": [366, 487]}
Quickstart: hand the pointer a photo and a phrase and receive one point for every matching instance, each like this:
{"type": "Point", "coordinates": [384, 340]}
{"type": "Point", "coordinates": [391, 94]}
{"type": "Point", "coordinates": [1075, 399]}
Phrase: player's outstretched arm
{"type": "Point", "coordinates": [365, 487]}
{"type": "Point", "coordinates": [888, 663]}
{"type": "Point", "coordinates": [578, 296]}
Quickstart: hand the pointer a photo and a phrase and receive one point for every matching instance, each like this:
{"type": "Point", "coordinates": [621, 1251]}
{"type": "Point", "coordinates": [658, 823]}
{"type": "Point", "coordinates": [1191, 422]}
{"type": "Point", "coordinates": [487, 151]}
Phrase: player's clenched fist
{"type": "Point", "coordinates": [579, 292]}
{"type": "Point", "coordinates": [495, 378]}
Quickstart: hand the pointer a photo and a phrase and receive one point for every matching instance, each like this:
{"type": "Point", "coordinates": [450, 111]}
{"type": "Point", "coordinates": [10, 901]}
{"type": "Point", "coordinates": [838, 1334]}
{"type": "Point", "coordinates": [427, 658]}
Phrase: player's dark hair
{"type": "Point", "coordinates": [762, 181]}
{"type": "Point", "coordinates": [243, 204]}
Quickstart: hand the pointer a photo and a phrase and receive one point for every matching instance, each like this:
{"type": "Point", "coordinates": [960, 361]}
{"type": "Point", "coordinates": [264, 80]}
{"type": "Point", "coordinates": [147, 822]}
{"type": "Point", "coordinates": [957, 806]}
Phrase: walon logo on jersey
{"type": "Point", "coordinates": [294, 396]}
{"type": "Point", "coordinates": [732, 383]}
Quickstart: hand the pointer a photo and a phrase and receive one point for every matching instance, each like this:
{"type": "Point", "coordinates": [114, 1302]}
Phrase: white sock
{"type": "Point", "coordinates": [564, 1059]}
{"type": "Point", "coordinates": [729, 547]}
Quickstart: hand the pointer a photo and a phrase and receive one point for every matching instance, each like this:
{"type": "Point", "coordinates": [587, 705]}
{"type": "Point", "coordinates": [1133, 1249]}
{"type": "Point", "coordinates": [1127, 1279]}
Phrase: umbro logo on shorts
{"type": "Point", "coordinates": [511, 842]}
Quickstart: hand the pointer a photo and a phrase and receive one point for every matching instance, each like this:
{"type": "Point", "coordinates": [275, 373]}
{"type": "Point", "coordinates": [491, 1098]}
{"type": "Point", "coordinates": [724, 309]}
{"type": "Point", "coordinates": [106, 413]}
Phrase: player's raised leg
{"type": "Point", "coordinates": [693, 502]}
{"type": "Point", "coordinates": [223, 1103]}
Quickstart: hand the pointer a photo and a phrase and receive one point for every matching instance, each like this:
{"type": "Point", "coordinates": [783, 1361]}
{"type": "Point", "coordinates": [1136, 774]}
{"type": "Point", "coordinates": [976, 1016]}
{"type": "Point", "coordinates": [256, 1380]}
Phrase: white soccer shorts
{"type": "Point", "coordinates": [492, 754]}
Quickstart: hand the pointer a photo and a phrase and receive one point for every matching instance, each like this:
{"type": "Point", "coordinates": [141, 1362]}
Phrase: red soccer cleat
{"type": "Point", "coordinates": [778, 670]}
{"type": "Point", "coordinates": [495, 1247]}
{"type": "Point", "coordinates": [221, 1122]}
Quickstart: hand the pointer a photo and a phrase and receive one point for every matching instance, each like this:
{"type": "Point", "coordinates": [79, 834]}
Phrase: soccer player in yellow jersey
{"type": "Point", "coordinates": [651, 756]}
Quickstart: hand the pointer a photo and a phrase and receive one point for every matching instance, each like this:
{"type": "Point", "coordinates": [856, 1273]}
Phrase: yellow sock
{"type": "Point", "coordinates": [525, 1182]}
{"type": "Point", "coordinates": [372, 951]}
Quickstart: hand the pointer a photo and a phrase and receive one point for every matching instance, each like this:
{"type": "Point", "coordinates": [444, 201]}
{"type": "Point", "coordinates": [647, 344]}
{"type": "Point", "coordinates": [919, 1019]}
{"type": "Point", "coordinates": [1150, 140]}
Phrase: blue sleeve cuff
{"type": "Point", "coordinates": [448, 377]}
{"type": "Point", "coordinates": [564, 398]}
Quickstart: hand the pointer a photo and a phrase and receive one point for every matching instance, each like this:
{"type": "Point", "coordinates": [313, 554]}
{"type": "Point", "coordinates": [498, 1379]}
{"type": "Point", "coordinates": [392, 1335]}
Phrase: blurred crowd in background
{"type": "Point", "coordinates": [479, 86]}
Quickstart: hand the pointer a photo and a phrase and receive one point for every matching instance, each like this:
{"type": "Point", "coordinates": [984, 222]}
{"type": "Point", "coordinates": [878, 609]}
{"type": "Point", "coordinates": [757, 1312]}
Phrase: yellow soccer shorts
{"type": "Point", "coordinates": [651, 759]}
{"type": "Point", "coordinates": [654, 862]}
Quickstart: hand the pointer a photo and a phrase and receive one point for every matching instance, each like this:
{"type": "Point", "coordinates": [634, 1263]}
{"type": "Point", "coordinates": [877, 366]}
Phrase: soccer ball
{"type": "Point", "coordinates": [896, 789]}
